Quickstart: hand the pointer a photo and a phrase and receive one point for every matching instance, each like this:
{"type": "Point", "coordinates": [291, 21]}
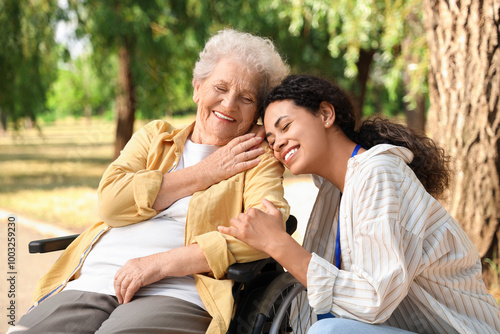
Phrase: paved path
{"type": "Point", "coordinates": [28, 267]}
{"type": "Point", "coordinates": [299, 192]}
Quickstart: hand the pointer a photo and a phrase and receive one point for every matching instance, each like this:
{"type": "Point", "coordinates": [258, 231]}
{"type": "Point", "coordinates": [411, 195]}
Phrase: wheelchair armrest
{"type": "Point", "coordinates": [52, 244]}
{"type": "Point", "coordinates": [245, 272]}
{"type": "Point", "coordinates": [291, 224]}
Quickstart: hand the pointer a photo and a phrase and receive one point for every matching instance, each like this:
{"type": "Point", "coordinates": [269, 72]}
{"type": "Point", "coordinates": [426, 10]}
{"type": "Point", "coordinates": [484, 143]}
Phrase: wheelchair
{"type": "Point", "coordinates": [267, 298]}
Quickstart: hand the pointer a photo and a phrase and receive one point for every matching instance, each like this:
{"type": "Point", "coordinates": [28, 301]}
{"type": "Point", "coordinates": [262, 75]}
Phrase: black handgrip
{"type": "Point", "coordinates": [52, 244]}
{"type": "Point", "coordinates": [245, 272]}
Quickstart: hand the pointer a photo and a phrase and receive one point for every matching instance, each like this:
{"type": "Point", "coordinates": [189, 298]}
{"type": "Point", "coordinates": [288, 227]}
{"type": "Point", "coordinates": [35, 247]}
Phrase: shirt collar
{"type": "Point", "coordinates": [399, 151]}
{"type": "Point", "coordinates": [405, 154]}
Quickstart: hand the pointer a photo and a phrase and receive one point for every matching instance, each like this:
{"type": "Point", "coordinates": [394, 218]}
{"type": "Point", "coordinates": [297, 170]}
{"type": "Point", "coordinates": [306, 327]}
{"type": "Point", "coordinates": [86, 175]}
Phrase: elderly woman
{"type": "Point", "coordinates": [157, 262]}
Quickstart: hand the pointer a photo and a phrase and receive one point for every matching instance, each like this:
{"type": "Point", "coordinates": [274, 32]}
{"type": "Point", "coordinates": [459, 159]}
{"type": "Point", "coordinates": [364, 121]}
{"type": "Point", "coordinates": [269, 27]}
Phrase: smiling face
{"type": "Point", "coordinates": [227, 103]}
{"type": "Point", "coordinates": [297, 137]}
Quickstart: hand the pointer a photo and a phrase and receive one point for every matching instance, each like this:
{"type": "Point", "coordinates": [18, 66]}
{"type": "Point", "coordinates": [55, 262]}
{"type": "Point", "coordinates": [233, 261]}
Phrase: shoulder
{"type": "Point", "coordinates": [156, 127]}
{"type": "Point", "coordinates": [382, 164]}
{"type": "Point", "coordinates": [382, 159]}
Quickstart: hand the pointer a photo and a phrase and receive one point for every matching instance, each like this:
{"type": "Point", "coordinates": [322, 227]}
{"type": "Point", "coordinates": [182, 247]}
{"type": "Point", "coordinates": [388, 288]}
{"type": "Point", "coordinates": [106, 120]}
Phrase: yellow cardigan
{"type": "Point", "coordinates": [128, 189]}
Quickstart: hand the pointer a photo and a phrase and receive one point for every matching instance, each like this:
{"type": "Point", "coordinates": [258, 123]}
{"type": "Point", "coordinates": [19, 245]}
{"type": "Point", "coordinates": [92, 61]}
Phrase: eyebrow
{"type": "Point", "coordinates": [276, 124]}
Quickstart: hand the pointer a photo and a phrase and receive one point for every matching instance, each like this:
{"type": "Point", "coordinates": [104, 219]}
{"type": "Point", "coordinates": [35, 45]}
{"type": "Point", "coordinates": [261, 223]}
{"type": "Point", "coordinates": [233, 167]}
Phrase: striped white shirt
{"type": "Point", "coordinates": [405, 261]}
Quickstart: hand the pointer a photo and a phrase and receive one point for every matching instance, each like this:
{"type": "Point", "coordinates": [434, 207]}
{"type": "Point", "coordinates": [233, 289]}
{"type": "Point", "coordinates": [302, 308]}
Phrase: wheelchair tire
{"type": "Point", "coordinates": [281, 307]}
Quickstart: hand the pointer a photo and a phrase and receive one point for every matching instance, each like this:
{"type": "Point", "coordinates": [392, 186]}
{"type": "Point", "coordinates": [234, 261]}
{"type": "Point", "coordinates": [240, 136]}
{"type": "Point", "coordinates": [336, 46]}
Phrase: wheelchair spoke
{"type": "Point", "coordinates": [279, 307]}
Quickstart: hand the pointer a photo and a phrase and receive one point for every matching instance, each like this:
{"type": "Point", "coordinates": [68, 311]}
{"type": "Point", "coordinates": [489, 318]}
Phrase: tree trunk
{"type": "Point", "coordinates": [464, 118]}
{"type": "Point", "coordinates": [3, 123]}
{"type": "Point", "coordinates": [415, 117]}
{"type": "Point", "coordinates": [125, 101]}
{"type": "Point", "coordinates": [363, 64]}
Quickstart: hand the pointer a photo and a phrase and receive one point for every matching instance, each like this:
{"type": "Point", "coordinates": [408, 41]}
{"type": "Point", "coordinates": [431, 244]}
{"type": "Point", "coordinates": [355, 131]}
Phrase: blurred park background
{"type": "Point", "coordinates": [77, 77]}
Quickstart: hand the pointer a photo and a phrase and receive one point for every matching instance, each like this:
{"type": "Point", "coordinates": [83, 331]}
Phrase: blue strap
{"type": "Point", "coordinates": [356, 149]}
{"type": "Point", "coordinates": [338, 258]}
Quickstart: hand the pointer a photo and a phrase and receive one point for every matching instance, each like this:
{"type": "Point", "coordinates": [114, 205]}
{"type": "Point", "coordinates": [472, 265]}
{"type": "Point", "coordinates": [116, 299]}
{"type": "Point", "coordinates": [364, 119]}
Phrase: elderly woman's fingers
{"type": "Point", "coordinates": [235, 157]}
{"type": "Point", "coordinates": [121, 285]}
{"type": "Point", "coordinates": [244, 143]}
{"type": "Point", "coordinates": [130, 291]}
{"type": "Point", "coordinates": [245, 154]}
{"type": "Point", "coordinates": [118, 286]}
{"type": "Point", "coordinates": [259, 130]}
{"type": "Point", "coordinates": [135, 274]}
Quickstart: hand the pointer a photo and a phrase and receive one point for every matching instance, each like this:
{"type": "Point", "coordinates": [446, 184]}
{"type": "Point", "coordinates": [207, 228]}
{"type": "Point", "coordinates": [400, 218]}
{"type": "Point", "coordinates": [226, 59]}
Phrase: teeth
{"type": "Point", "coordinates": [290, 153]}
{"type": "Point", "coordinates": [218, 114]}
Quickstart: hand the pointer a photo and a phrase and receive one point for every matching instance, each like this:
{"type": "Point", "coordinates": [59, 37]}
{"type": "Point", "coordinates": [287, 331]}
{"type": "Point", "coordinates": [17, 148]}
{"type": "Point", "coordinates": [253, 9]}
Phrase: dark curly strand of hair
{"type": "Point", "coordinates": [430, 163]}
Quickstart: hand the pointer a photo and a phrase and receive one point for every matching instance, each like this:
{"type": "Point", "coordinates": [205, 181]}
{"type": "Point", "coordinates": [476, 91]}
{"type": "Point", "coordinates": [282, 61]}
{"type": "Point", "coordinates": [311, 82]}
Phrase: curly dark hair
{"type": "Point", "coordinates": [430, 164]}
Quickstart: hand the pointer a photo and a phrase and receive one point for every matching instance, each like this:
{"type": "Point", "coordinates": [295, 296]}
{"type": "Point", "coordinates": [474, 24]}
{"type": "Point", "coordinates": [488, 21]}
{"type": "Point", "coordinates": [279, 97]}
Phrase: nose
{"type": "Point", "coordinates": [279, 143]}
{"type": "Point", "coordinates": [230, 101]}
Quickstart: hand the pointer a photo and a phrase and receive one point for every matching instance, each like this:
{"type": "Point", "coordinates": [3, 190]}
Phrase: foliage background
{"type": "Point", "coordinates": [40, 78]}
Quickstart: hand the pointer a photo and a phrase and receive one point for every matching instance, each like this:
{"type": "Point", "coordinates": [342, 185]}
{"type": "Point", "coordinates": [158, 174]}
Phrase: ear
{"type": "Point", "coordinates": [196, 91]}
{"type": "Point", "coordinates": [327, 112]}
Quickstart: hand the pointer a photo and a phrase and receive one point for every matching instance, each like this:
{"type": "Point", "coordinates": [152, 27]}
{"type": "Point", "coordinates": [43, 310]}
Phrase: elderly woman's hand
{"type": "Point", "coordinates": [238, 155]}
{"type": "Point", "coordinates": [135, 274]}
{"type": "Point", "coordinates": [146, 270]}
{"type": "Point", "coordinates": [259, 130]}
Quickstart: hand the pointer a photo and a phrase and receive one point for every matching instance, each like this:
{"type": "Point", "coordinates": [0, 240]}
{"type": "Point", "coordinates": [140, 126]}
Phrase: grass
{"type": "Point", "coordinates": [52, 176]}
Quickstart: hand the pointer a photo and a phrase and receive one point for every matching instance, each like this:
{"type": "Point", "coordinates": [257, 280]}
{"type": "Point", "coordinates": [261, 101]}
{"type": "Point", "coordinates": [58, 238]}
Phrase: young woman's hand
{"type": "Point", "coordinates": [266, 232]}
{"type": "Point", "coordinates": [257, 228]}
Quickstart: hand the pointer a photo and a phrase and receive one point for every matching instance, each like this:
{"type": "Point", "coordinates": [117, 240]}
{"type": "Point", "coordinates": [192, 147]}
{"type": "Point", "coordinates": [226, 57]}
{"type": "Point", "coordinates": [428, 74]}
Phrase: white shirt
{"type": "Point", "coordinates": [405, 261]}
{"type": "Point", "coordinates": [161, 233]}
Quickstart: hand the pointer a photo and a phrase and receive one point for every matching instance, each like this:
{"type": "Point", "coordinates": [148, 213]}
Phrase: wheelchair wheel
{"type": "Point", "coordinates": [282, 307]}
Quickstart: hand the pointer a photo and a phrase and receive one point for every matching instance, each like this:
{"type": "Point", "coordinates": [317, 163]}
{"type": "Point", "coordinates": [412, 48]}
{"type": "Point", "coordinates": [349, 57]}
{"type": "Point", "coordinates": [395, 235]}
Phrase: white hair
{"type": "Point", "coordinates": [255, 53]}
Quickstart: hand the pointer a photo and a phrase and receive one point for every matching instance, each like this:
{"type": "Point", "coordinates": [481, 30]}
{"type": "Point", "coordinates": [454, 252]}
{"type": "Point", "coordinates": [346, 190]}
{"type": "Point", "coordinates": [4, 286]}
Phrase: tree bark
{"type": "Point", "coordinates": [415, 117]}
{"type": "Point", "coordinates": [464, 117]}
{"type": "Point", "coordinates": [3, 123]}
{"type": "Point", "coordinates": [363, 65]}
{"type": "Point", "coordinates": [125, 100]}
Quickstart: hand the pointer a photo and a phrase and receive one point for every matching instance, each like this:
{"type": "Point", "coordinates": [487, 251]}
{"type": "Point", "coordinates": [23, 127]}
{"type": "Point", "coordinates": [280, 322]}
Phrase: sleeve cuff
{"type": "Point", "coordinates": [214, 246]}
{"type": "Point", "coordinates": [321, 276]}
{"type": "Point", "coordinates": [146, 186]}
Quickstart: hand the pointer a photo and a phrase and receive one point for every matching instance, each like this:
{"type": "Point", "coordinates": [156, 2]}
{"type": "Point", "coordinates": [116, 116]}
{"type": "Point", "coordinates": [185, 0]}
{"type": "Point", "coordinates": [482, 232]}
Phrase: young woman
{"type": "Point", "coordinates": [380, 253]}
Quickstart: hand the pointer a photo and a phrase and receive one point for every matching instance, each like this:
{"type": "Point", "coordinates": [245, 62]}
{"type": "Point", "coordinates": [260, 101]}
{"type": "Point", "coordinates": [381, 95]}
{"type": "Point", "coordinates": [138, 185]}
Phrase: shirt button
{"type": "Point", "coordinates": [35, 304]}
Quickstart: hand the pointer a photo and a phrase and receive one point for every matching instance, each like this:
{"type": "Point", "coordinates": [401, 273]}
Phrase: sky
{"type": "Point", "coordinates": [65, 34]}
